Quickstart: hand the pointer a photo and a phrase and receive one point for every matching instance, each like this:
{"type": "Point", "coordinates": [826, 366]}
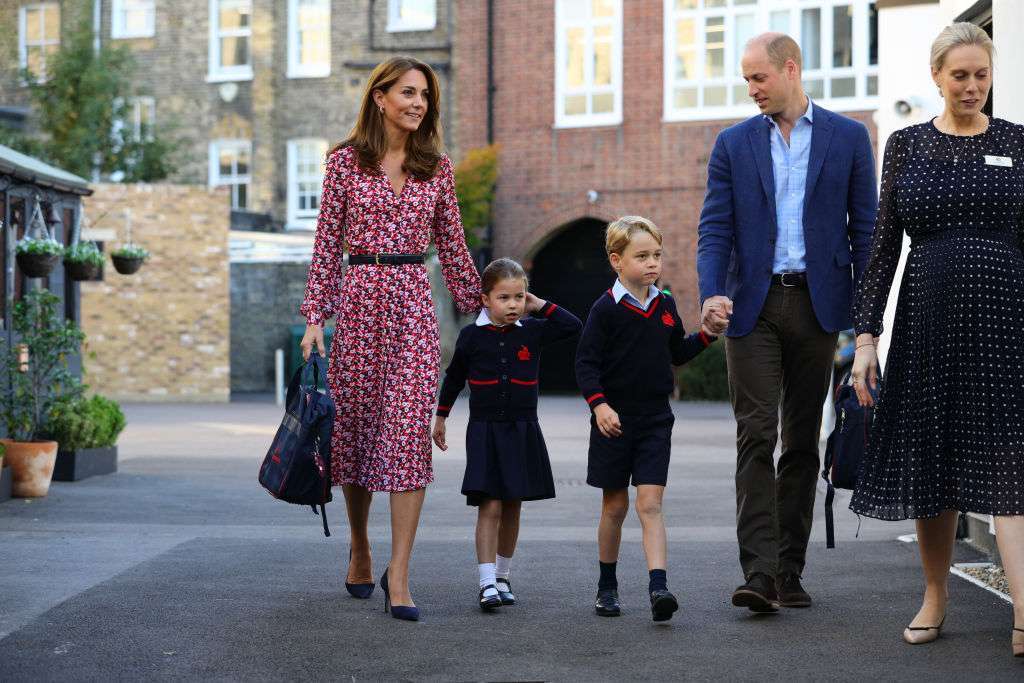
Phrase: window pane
{"type": "Point", "coordinates": [745, 27]}
{"type": "Point", "coordinates": [686, 51]}
{"type": "Point", "coordinates": [714, 3]}
{"type": "Point", "coordinates": [243, 161]}
{"type": "Point", "coordinates": [740, 95]}
{"type": "Point", "coordinates": [51, 22]}
{"type": "Point", "coordinates": [844, 87]}
{"type": "Point", "coordinates": [744, 2]}
{"type": "Point", "coordinates": [602, 8]}
{"type": "Point", "coordinates": [842, 36]}
{"type": "Point", "coordinates": [602, 63]}
{"type": "Point", "coordinates": [234, 51]}
{"type": "Point", "coordinates": [715, 96]}
{"type": "Point", "coordinates": [779, 21]}
{"type": "Point", "coordinates": [686, 4]}
{"type": "Point", "coordinates": [233, 17]}
{"type": "Point", "coordinates": [417, 12]}
{"type": "Point", "coordinates": [872, 85]}
{"type": "Point", "coordinates": [872, 34]}
{"type": "Point", "coordinates": [604, 103]}
{"type": "Point", "coordinates": [810, 37]}
{"type": "Point", "coordinates": [36, 61]}
{"type": "Point", "coordinates": [574, 58]}
{"type": "Point", "coordinates": [242, 200]}
{"type": "Point", "coordinates": [815, 88]}
{"type": "Point", "coordinates": [575, 105]}
{"type": "Point", "coordinates": [227, 162]}
{"type": "Point", "coordinates": [685, 98]}
{"type": "Point", "coordinates": [33, 26]}
{"type": "Point", "coordinates": [714, 37]}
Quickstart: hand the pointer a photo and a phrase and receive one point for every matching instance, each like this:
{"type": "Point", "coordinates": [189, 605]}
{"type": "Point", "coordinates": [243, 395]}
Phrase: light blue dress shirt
{"type": "Point", "coordinates": [619, 291]}
{"type": "Point", "coordinates": [789, 163]}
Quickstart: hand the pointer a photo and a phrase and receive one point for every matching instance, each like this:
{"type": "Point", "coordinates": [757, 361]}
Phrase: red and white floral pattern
{"type": "Point", "coordinates": [385, 356]}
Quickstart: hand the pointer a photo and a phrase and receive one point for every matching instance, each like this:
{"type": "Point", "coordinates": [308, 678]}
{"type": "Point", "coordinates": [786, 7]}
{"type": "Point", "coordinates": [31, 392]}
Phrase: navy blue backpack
{"type": "Point", "coordinates": [845, 448]}
{"type": "Point", "coordinates": [297, 467]}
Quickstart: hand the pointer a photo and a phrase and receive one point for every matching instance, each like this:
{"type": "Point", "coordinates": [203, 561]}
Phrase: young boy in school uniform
{"type": "Point", "coordinates": [631, 340]}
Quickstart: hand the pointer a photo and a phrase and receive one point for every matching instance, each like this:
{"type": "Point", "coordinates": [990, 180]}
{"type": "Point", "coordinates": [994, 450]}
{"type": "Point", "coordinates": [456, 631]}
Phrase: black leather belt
{"type": "Point", "coordinates": [384, 259]}
{"type": "Point", "coordinates": [790, 279]}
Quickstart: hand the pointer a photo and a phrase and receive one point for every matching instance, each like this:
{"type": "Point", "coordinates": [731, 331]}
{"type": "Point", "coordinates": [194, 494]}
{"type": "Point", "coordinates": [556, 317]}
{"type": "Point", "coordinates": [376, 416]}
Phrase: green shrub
{"type": "Point", "coordinates": [85, 423]}
{"type": "Point", "coordinates": [475, 179]}
{"type": "Point", "coordinates": [84, 252]}
{"type": "Point", "coordinates": [705, 378]}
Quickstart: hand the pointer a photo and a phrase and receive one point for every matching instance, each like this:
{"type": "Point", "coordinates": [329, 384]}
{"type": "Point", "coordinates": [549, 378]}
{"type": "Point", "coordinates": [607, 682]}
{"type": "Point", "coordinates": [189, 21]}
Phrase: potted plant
{"type": "Point", "coordinates": [129, 259]}
{"type": "Point", "coordinates": [34, 374]}
{"type": "Point", "coordinates": [83, 261]}
{"type": "Point", "coordinates": [37, 256]}
{"type": "Point", "coordinates": [87, 431]}
{"type": "Point", "coordinates": [5, 477]}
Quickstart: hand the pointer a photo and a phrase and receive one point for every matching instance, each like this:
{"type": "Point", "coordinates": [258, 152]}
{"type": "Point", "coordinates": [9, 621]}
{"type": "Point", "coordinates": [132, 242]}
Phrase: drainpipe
{"type": "Point", "coordinates": [490, 107]}
{"type": "Point", "coordinates": [97, 12]}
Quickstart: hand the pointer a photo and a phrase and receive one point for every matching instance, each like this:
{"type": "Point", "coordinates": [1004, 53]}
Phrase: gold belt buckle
{"type": "Point", "coordinates": [376, 259]}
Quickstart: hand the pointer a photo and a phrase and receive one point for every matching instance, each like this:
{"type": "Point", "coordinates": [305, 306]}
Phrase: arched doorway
{"type": "Point", "coordinates": [572, 270]}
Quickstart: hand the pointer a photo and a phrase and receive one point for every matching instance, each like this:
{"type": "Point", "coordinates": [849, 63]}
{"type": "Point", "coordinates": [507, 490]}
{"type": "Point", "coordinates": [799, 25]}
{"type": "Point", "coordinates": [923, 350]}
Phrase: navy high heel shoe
{"type": "Point", "coordinates": [363, 591]}
{"type": "Point", "coordinates": [397, 611]}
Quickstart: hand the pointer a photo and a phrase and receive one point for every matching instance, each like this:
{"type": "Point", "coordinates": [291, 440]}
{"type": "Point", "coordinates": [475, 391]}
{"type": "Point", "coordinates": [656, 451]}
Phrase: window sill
{"type": "Point", "coordinates": [595, 123]}
{"type": "Point", "coordinates": [229, 77]}
{"type": "Point", "coordinates": [132, 36]}
{"type": "Point", "coordinates": [409, 28]}
{"type": "Point", "coordinates": [309, 72]}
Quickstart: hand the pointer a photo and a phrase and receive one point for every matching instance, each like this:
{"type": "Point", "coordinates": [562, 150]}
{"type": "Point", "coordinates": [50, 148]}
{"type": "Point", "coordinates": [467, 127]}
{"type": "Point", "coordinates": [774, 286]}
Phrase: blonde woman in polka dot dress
{"type": "Point", "coordinates": [949, 425]}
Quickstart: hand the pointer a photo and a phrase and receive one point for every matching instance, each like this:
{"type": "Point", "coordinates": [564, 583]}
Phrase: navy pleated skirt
{"type": "Point", "coordinates": [506, 461]}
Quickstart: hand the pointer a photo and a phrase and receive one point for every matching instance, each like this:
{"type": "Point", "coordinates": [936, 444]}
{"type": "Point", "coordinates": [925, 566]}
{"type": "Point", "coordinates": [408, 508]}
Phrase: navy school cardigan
{"type": "Point", "coordinates": [625, 355]}
{"type": "Point", "coordinates": [501, 365]}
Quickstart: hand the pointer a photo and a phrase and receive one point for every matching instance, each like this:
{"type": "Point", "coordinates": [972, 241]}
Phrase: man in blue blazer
{"type": "Point", "coordinates": [784, 234]}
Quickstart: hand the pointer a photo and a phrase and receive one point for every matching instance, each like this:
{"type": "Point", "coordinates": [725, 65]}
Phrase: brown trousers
{"type": "Point", "coordinates": [785, 360]}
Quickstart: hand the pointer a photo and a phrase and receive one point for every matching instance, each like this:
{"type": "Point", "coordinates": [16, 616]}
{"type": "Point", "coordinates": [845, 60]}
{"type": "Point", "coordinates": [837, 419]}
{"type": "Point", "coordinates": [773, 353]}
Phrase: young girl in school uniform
{"type": "Point", "coordinates": [506, 459]}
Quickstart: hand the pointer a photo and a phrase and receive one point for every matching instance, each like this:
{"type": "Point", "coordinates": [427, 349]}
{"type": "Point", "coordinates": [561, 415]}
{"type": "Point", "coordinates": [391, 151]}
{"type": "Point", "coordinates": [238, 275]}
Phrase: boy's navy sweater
{"type": "Point", "coordinates": [626, 354]}
{"type": "Point", "coordinates": [501, 365]}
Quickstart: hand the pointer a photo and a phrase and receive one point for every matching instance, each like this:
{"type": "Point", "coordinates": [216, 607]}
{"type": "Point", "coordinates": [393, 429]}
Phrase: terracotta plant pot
{"type": "Point", "coordinates": [37, 265]}
{"type": "Point", "coordinates": [31, 464]}
{"type": "Point", "coordinates": [80, 272]}
{"type": "Point", "coordinates": [125, 265]}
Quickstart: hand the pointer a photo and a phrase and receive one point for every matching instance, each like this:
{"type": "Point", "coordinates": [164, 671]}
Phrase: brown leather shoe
{"type": "Point", "coordinates": [758, 594]}
{"type": "Point", "coordinates": [791, 593]}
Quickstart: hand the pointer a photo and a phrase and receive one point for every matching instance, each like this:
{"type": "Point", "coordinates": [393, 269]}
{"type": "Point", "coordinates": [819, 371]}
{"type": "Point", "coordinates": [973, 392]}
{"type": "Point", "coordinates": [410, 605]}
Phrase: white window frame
{"type": "Point", "coordinates": [23, 34]}
{"type": "Point", "coordinates": [762, 11]}
{"type": "Point", "coordinates": [215, 179]}
{"type": "Point", "coordinates": [218, 73]}
{"type": "Point", "coordinates": [118, 25]}
{"type": "Point", "coordinates": [298, 219]}
{"type": "Point", "coordinates": [135, 108]}
{"type": "Point", "coordinates": [612, 118]}
{"type": "Point", "coordinates": [397, 24]}
{"type": "Point", "coordinates": [296, 69]}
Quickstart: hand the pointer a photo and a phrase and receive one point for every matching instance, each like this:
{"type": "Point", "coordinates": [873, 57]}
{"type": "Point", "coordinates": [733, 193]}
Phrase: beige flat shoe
{"type": "Point", "coordinates": [919, 635]}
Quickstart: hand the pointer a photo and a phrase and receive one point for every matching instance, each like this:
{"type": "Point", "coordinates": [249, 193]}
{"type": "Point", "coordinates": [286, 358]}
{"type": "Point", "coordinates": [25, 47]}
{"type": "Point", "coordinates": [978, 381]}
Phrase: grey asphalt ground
{"type": "Point", "coordinates": [181, 567]}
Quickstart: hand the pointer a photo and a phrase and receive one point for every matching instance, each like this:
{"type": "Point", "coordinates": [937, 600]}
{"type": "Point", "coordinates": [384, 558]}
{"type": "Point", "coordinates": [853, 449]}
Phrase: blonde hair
{"type": "Point", "coordinates": [956, 35]}
{"type": "Point", "coordinates": [621, 231]}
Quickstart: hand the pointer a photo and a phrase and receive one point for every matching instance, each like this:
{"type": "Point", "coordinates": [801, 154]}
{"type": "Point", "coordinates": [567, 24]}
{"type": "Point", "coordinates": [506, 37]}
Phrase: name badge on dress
{"type": "Point", "coordinates": [998, 161]}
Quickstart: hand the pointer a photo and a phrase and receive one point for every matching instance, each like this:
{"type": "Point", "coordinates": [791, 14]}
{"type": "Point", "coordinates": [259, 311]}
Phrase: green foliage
{"type": "Point", "coordinates": [475, 180]}
{"type": "Point", "coordinates": [84, 252]}
{"type": "Point", "coordinates": [131, 251]}
{"type": "Point", "coordinates": [705, 378]}
{"type": "Point", "coordinates": [29, 245]}
{"type": "Point", "coordinates": [85, 423]}
{"type": "Point", "coordinates": [29, 390]}
{"type": "Point", "coordinates": [80, 109]}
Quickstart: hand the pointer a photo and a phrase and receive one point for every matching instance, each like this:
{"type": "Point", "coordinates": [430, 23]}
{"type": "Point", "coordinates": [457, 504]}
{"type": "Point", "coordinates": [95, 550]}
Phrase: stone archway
{"type": "Point", "coordinates": [572, 270]}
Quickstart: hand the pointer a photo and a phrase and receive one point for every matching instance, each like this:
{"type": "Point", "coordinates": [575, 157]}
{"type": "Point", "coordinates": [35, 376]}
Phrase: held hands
{"type": "Point", "coordinates": [865, 369]}
{"type": "Point", "coordinates": [314, 335]}
{"type": "Point", "coordinates": [715, 314]}
{"type": "Point", "coordinates": [607, 421]}
{"type": "Point", "coordinates": [439, 433]}
{"type": "Point", "coordinates": [533, 303]}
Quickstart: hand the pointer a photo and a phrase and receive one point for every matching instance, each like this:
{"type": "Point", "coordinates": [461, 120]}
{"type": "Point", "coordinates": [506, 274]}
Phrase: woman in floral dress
{"type": "Point", "coordinates": [388, 192]}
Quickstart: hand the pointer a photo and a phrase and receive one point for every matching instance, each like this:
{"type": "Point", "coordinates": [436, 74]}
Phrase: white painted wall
{"type": "Point", "coordinates": [1008, 22]}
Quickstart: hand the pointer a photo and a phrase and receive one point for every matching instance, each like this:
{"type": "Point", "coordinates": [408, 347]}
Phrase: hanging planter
{"type": "Point", "coordinates": [38, 257]}
{"type": "Point", "coordinates": [83, 261]}
{"type": "Point", "coordinates": [128, 260]}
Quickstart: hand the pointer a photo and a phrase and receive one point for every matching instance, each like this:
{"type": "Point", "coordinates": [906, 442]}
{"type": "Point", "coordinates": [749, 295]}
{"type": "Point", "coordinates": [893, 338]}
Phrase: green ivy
{"type": "Point", "coordinates": [475, 180]}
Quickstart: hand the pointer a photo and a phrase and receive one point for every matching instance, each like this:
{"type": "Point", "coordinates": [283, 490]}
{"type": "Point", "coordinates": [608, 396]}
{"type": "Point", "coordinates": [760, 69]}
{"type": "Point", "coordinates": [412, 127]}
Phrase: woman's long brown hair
{"type": "Point", "coordinates": [369, 137]}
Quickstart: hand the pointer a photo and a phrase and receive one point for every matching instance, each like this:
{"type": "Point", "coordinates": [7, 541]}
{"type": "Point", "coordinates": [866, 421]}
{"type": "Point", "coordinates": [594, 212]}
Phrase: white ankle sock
{"type": "Point", "coordinates": [502, 567]}
{"type": "Point", "coordinates": [486, 570]}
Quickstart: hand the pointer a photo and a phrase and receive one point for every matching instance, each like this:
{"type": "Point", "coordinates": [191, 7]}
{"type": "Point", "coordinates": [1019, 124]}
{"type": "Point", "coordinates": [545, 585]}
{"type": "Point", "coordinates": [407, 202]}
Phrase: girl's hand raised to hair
{"type": "Point", "coordinates": [439, 433]}
{"type": "Point", "coordinates": [533, 303]}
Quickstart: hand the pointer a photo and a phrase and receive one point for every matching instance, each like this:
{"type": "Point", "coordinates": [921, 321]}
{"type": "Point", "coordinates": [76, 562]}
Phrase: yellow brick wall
{"type": "Point", "coordinates": [161, 334]}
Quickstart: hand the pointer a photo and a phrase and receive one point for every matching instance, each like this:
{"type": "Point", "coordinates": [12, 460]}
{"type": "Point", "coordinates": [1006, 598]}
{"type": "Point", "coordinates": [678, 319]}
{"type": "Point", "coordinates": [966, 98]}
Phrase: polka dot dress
{"type": "Point", "coordinates": [949, 425]}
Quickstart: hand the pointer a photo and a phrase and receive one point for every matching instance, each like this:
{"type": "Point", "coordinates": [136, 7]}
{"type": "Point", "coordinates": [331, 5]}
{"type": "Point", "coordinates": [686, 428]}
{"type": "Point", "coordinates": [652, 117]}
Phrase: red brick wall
{"type": "Point", "coordinates": [643, 166]}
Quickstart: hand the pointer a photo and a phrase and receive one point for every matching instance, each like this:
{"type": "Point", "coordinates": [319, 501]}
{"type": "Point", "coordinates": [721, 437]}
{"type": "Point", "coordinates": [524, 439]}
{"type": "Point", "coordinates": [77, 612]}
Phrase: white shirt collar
{"type": "Point", "coordinates": [619, 290]}
{"type": "Point", "coordinates": [483, 320]}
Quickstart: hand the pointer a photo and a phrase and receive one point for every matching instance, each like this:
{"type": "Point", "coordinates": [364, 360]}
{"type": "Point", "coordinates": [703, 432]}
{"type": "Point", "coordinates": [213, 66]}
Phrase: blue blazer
{"type": "Point", "coordinates": [736, 237]}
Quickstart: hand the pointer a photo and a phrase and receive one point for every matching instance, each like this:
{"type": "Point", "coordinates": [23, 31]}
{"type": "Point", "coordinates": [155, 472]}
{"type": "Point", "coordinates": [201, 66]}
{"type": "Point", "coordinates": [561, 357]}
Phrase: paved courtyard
{"type": "Point", "coordinates": [181, 567]}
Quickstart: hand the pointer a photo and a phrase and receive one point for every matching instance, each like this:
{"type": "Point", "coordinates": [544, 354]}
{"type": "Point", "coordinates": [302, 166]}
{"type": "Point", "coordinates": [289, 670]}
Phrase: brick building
{"type": "Point", "coordinates": [608, 107]}
{"type": "Point", "coordinates": [257, 90]}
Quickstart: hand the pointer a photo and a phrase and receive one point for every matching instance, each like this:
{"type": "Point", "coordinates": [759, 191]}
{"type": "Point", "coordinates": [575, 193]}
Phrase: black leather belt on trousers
{"type": "Point", "coordinates": [790, 279]}
{"type": "Point", "coordinates": [384, 259]}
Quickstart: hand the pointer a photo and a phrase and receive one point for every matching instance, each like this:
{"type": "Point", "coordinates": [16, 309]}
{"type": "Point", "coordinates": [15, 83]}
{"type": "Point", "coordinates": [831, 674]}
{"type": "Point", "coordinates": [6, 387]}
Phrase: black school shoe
{"type": "Point", "coordinates": [758, 594]}
{"type": "Point", "coordinates": [663, 604]}
{"type": "Point", "coordinates": [489, 603]}
{"type": "Point", "coordinates": [607, 604]}
{"type": "Point", "coordinates": [504, 587]}
{"type": "Point", "coordinates": [791, 593]}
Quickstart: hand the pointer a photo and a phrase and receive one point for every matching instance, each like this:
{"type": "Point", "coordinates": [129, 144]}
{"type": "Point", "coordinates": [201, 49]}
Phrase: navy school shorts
{"type": "Point", "coordinates": [640, 453]}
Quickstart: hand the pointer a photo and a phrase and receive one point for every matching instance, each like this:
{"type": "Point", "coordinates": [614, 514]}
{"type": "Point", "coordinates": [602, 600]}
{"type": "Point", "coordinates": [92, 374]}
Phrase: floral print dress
{"type": "Point", "coordinates": [385, 356]}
